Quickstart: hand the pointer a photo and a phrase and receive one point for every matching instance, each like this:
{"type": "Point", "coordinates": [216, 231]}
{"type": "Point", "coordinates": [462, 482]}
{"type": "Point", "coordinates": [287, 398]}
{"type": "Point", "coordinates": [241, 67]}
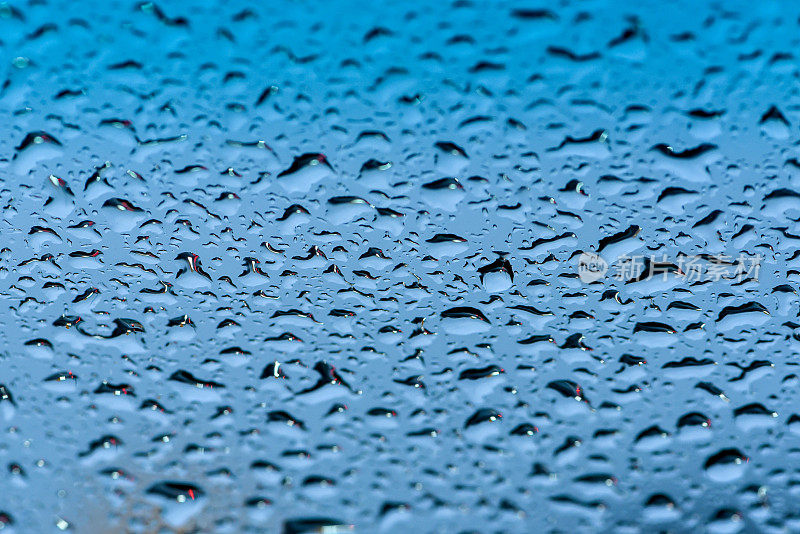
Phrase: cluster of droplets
{"type": "Point", "coordinates": [275, 270]}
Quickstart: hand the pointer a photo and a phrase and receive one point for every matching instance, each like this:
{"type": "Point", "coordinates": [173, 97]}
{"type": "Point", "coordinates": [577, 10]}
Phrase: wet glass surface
{"type": "Point", "coordinates": [450, 267]}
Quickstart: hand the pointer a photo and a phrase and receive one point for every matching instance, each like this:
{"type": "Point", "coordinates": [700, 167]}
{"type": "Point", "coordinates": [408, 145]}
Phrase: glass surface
{"type": "Point", "coordinates": [390, 266]}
